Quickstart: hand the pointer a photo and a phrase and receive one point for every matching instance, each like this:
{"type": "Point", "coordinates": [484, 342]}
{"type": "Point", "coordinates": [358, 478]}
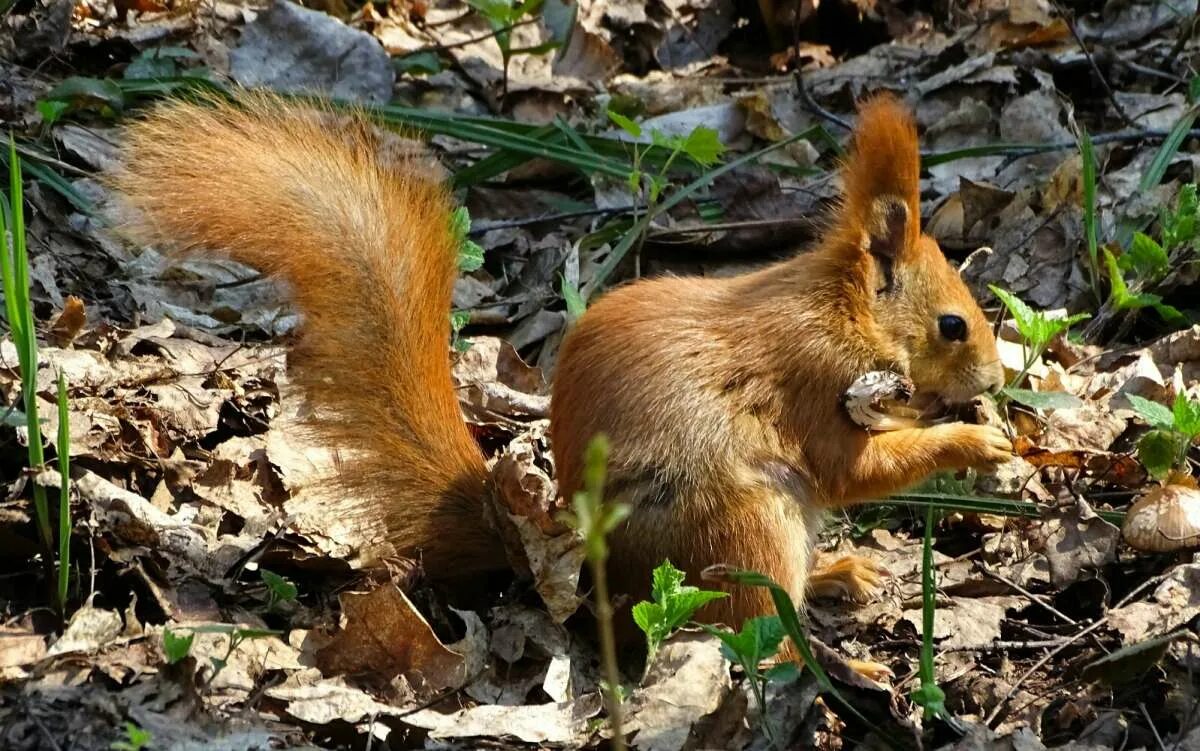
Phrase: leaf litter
{"type": "Point", "coordinates": [191, 482]}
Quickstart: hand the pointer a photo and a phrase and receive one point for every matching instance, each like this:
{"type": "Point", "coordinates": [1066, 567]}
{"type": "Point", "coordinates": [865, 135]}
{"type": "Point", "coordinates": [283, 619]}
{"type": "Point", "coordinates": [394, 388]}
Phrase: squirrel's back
{"type": "Point", "coordinates": [360, 231]}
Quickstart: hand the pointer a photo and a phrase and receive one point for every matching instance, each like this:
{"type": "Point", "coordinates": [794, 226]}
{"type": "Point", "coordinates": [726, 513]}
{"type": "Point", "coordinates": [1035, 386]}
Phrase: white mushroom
{"type": "Point", "coordinates": [1164, 519]}
{"type": "Point", "coordinates": [878, 401]}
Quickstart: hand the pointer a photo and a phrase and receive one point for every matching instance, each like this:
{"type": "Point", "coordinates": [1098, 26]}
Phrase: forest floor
{"type": "Point", "coordinates": [215, 598]}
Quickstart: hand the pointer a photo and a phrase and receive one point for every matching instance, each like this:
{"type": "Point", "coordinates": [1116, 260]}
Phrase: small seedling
{"type": "Point", "coordinates": [759, 640]}
{"type": "Point", "coordinates": [1173, 430]}
{"type": "Point", "coordinates": [503, 16]}
{"type": "Point", "coordinates": [594, 519]}
{"type": "Point", "coordinates": [135, 739]}
{"type": "Point", "coordinates": [236, 635]}
{"type": "Point", "coordinates": [576, 305]}
{"type": "Point", "coordinates": [674, 604]}
{"type": "Point", "coordinates": [279, 589]}
{"type": "Point", "coordinates": [470, 258]}
{"type": "Point", "coordinates": [929, 694]}
{"type": "Point", "coordinates": [470, 253]}
{"type": "Point", "coordinates": [18, 311]}
{"type": "Point", "coordinates": [1037, 330]}
{"type": "Point", "coordinates": [177, 646]}
{"type": "Point", "coordinates": [701, 144]}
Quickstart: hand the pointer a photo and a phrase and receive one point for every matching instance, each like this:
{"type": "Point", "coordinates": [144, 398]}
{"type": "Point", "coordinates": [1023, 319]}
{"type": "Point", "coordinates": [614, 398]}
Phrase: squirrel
{"type": "Point", "coordinates": [720, 396]}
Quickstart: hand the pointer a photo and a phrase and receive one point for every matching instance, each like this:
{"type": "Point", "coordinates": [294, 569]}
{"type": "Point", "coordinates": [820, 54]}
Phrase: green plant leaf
{"type": "Point", "coordinates": [1187, 416]}
{"type": "Point", "coordinates": [625, 124]}
{"type": "Point", "coordinates": [421, 62]}
{"type": "Point", "coordinates": [1022, 314]}
{"type": "Point", "coordinates": [703, 145]}
{"type": "Point", "coordinates": [177, 646]}
{"type": "Point", "coordinates": [470, 253]}
{"type": "Point", "coordinates": [79, 92]}
{"type": "Point", "coordinates": [458, 320]}
{"type": "Point", "coordinates": [1043, 399]}
{"type": "Point", "coordinates": [674, 604]}
{"type": "Point", "coordinates": [1088, 155]}
{"type": "Point", "coordinates": [785, 672]}
{"type": "Point", "coordinates": [576, 305]}
{"type": "Point", "coordinates": [1145, 258]}
{"type": "Point", "coordinates": [759, 639]}
{"type": "Point", "coordinates": [1179, 226]}
{"type": "Point", "coordinates": [280, 588]}
{"type": "Point", "coordinates": [52, 110]}
{"type": "Point", "coordinates": [1153, 413]}
{"type": "Point", "coordinates": [1157, 451]}
{"type": "Point", "coordinates": [650, 617]}
{"type": "Point", "coordinates": [666, 581]}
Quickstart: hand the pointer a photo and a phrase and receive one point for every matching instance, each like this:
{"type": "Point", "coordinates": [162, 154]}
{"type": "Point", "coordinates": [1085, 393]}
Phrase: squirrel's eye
{"type": "Point", "coordinates": [953, 328]}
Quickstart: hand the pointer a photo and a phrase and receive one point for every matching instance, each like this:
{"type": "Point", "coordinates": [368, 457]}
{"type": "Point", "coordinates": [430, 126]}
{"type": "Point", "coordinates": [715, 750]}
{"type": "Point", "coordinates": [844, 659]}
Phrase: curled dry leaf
{"type": "Point", "coordinates": [493, 381]}
{"type": "Point", "coordinates": [566, 723]}
{"type": "Point", "coordinates": [687, 681]}
{"type": "Point", "coordinates": [1074, 539]}
{"type": "Point", "coordinates": [89, 629]}
{"type": "Point", "coordinates": [525, 510]}
{"type": "Point", "coordinates": [386, 636]}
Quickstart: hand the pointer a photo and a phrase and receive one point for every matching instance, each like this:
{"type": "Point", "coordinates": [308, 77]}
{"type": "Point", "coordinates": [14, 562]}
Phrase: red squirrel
{"type": "Point", "coordinates": [720, 397]}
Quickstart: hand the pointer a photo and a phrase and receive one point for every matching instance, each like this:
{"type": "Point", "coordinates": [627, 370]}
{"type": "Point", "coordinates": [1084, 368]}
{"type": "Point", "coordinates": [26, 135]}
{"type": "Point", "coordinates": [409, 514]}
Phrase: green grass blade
{"type": "Point", "coordinates": [64, 494]}
{"type": "Point", "coordinates": [500, 162]}
{"type": "Point", "coordinates": [18, 282]}
{"type": "Point", "coordinates": [6, 277]}
{"type": "Point", "coordinates": [1166, 152]}
{"type": "Point", "coordinates": [985, 505]}
{"type": "Point", "coordinates": [789, 617]}
{"type": "Point", "coordinates": [1158, 168]}
{"type": "Point", "coordinates": [930, 695]}
{"type": "Point", "coordinates": [55, 182]}
{"type": "Point", "coordinates": [641, 225]}
{"type": "Point", "coordinates": [1088, 155]}
{"type": "Point", "coordinates": [499, 134]}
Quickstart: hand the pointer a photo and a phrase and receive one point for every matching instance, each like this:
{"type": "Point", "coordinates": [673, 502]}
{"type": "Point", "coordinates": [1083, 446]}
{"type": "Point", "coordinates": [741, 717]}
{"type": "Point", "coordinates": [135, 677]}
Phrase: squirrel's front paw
{"type": "Point", "coordinates": [982, 446]}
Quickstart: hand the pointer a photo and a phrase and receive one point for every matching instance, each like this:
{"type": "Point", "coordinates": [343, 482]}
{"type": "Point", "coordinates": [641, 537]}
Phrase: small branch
{"type": "Point", "coordinates": [1035, 598]}
{"type": "Point", "coordinates": [811, 104]}
{"type": "Point", "coordinates": [995, 713]}
{"type": "Point", "coordinates": [1108, 92]}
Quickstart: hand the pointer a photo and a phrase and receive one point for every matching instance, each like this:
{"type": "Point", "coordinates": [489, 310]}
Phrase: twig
{"type": "Point", "coordinates": [807, 100]}
{"type": "Point", "coordinates": [481, 228]}
{"type": "Point", "coordinates": [991, 718]}
{"type": "Point", "coordinates": [746, 224]}
{"type": "Point", "coordinates": [1108, 92]}
{"type": "Point", "coordinates": [998, 644]}
{"type": "Point", "coordinates": [1185, 33]}
{"type": "Point", "coordinates": [464, 42]}
{"type": "Point", "coordinates": [38, 721]}
{"type": "Point", "coordinates": [1157, 738]}
{"type": "Point", "coordinates": [1038, 599]}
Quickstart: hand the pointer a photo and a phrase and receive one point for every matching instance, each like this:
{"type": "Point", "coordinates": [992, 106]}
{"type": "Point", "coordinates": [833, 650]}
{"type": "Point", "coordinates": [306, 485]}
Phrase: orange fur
{"type": "Point", "coordinates": [367, 251]}
{"type": "Point", "coordinates": [721, 397]}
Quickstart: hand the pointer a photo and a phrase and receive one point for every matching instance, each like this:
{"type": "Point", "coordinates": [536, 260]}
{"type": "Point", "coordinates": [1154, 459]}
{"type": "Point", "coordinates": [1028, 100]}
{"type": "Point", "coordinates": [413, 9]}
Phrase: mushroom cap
{"type": "Point", "coordinates": [1164, 519]}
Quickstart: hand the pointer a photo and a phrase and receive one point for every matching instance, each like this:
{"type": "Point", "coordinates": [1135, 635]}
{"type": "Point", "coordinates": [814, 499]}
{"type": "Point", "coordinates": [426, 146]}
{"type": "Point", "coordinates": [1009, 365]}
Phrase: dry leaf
{"type": "Point", "coordinates": [386, 636]}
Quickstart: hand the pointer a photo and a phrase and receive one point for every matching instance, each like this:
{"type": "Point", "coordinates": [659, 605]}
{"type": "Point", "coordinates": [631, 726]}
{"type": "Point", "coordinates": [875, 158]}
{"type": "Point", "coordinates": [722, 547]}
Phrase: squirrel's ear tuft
{"type": "Point", "coordinates": [887, 226]}
{"type": "Point", "coordinates": [881, 177]}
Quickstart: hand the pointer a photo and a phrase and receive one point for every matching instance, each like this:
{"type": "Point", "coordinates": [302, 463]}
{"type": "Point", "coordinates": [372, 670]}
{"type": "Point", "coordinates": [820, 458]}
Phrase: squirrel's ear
{"type": "Point", "coordinates": [882, 179]}
{"type": "Point", "coordinates": [887, 227]}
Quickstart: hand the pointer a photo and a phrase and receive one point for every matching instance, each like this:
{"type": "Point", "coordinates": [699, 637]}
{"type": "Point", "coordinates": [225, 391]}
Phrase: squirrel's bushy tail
{"type": "Point", "coordinates": [365, 243]}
